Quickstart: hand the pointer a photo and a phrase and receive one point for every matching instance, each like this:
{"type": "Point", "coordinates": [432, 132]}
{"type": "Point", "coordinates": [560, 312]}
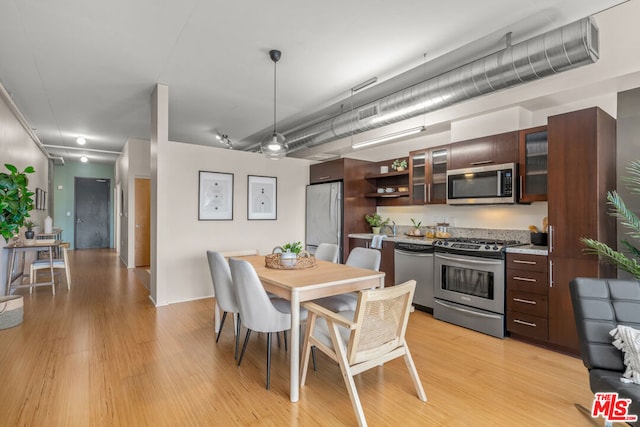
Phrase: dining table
{"type": "Point", "coordinates": [15, 270]}
{"type": "Point", "coordinates": [299, 285]}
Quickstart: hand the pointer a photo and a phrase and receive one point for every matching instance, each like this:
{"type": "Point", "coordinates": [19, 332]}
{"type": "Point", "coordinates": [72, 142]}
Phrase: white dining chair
{"type": "Point", "coordinates": [224, 293]}
{"type": "Point", "coordinates": [258, 312]}
{"type": "Point", "coordinates": [361, 258]}
{"type": "Point", "coordinates": [327, 252]}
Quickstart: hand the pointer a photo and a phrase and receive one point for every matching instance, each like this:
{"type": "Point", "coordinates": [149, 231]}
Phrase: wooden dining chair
{"type": "Point", "coordinates": [364, 339]}
{"type": "Point", "coordinates": [358, 257]}
{"type": "Point", "coordinates": [58, 263]}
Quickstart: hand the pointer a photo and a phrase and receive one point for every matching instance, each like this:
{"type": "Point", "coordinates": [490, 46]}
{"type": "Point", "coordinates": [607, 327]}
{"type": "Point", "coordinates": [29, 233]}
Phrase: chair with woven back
{"type": "Point", "coordinates": [58, 263]}
{"type": "Point", "coordinates": [364, 339]}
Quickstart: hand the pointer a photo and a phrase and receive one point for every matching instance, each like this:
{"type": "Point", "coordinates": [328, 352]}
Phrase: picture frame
{"type": "Point", "coordinates": [262, 197]}
{"type": "Point", "coordinates": [215, 196]}
{"type": "Point", "coordinates": [40, 199]}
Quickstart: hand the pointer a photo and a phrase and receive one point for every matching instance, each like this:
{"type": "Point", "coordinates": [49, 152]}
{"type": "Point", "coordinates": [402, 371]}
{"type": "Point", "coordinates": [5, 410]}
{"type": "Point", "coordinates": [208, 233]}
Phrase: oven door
{"type": "Point", "coordinates": [471, 281]}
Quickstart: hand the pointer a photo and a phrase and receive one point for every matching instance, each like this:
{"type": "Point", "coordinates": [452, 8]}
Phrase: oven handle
{"type": "Point", "coordinates": [417, 254]}
{"type": "Point", "coordinates": [471, 261]}
{"type": "Point", "coordinates": [475, 313]}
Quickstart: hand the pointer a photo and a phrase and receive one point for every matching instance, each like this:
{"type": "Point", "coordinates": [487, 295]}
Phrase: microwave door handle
{"type": "Point", "coordinates": [499, 174]}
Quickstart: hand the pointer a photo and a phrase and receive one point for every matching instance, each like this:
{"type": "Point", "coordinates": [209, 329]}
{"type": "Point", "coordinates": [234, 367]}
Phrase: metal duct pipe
{"type": "Point", "coordinates": [562, 49]}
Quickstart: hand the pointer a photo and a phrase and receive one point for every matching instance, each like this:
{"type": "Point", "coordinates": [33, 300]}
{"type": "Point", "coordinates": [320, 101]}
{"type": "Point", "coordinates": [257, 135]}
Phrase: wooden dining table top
{"type": "Point", "coordinates": [324, 279]}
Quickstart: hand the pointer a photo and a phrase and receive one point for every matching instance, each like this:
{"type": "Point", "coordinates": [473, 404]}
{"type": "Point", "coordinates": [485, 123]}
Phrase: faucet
{"type": "Point", "coordinates": [393, 228]}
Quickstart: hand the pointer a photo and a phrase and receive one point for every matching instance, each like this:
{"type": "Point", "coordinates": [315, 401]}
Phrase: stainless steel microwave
{"type": "Point", "coordinates": [482, 185]}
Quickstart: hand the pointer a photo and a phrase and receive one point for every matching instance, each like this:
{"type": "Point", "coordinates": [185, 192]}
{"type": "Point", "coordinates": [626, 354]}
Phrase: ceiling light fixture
{"type": "Point", "coordinates": [223, 138]}
{"type": "Point", "coordinates": [84, 159]}
{"type": "Point", "coordinates": [389, 137]}
{"type": "Point", "coordinates": [80, 140]}
{"type": "Point", "coordinates": [274, 146]}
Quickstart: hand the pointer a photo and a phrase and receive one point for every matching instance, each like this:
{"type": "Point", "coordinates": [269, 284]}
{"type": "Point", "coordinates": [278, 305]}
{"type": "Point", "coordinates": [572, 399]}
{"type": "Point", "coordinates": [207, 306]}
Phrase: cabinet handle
{"type": "Point", "coordinates": [550, 238]}
{"type": "Point", "coordinates": [521, 187]}
{"type": "Point", "coordinates": [525, 301]}
{"type": "Point", "coordinates": [325, 177]}
{"type": "Point", "coordinates": [519, 261]}
{"type": "Point", "coordinates": [550, 274]}
{"type": "Point", "coordinates": [524, 279]}
{"type": "Point", "coordinates": [522, 322]}
{"type": "Point", "coordinates": [484, 162]}
{"type": "Point", "coordinates": [429, 192]}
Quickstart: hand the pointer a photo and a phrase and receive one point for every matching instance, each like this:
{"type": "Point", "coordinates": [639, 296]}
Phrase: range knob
{"type": "Point", "coordinates": [495, 248]}
{"type": "Point", "coordinates": [487, 247]}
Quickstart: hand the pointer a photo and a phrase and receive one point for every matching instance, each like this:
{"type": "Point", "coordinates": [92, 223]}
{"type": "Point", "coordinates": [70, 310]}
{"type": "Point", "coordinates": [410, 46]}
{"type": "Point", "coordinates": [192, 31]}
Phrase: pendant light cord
{"type": "Point", "coordinates": [275, 72]}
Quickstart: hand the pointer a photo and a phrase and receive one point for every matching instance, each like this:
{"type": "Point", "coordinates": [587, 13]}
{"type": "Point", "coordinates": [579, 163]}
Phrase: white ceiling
{"type": "Point", "coordinates": [77, 67]}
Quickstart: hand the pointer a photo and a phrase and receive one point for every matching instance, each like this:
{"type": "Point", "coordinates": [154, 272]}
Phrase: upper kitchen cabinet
{"type": "Point", "coordinates": [428, 176]}
{"type": "Point", "coordinates": [532, 166]}
{"type": "Point", "coordinates": [326, 171]}
{"type": "Point", "coordinates": [488, 150]}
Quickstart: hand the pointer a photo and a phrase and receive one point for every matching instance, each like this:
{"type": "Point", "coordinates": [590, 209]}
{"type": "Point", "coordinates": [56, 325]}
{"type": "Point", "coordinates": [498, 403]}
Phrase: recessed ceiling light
{"type": "Point", "coordinates": [84, 159]}
{"type": "Point", "coordinates": [80, 140]}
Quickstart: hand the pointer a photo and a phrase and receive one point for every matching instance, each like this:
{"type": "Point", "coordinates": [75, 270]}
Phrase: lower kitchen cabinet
{"type": "Point", "coordinates": [387, 264]}
{"type": "Point", "coordinates": [527, 296]}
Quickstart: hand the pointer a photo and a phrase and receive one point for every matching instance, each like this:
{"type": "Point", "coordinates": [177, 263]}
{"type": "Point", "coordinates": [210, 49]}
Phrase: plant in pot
{"type": "Point", "coordinates": [626, 260]}
{"type": "Point", "coordinates": [399, 165]}
{"type": "Point", "coordinates": [289, 255]}
{"type": "Point", "coordinates": [416, 228]}
{"type": "Point", "coordinates": [376, 222]}
{"type": "Point", "coordinates": [16, 201]}
{"type": "Point", "coordinates": [29, 234]}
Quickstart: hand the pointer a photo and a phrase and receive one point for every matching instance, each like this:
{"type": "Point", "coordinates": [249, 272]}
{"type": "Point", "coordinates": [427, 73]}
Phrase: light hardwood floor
{"type": "Point", "coordinates": [102, 355]}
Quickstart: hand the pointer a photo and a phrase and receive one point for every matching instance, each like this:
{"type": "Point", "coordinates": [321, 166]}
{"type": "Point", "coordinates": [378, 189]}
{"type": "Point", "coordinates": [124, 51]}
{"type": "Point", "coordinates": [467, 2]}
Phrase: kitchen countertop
{"type": "Point", "coordinates": [528, 249]}
{"type": "Point", "coordinates": [398, 238]}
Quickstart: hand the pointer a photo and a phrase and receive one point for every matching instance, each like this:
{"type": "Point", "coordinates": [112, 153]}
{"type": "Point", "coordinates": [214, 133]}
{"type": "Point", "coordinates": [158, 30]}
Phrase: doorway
{"type": "Point", "coordinates": [143, 222]}
{"type": "Point", "coordinates": [92, 206]}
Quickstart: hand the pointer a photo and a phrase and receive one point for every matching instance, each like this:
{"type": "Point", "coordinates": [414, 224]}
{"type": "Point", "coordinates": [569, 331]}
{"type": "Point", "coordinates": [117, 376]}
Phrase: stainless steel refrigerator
{"type": "Point", "coordinates": [324, 215]}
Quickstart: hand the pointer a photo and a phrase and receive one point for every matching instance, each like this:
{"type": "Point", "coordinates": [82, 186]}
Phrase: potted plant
{"type": "Point", "coordinates": [29, 234]}
{"type": "Point", "coordinates": [16, 200]}
{"type": "Point", "coordinates": [399, 165]}
{"type": "Point", "coordinates": [376, 222]}
{"type": "Point", "coordinates": [289, 255]}
{"type": "Point", "coordinates": [416, 228]}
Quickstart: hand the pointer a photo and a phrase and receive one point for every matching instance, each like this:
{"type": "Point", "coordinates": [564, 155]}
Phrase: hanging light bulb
{"type": "Point", "coordinates": [274, 146]}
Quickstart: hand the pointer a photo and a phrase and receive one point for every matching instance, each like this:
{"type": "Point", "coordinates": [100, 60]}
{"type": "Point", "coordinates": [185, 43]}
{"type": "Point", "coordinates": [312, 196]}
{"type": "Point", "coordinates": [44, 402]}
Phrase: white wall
{"type": "Point", "coordinates": [18, 149]}
{"type": "Point", "coordinates": [186, 268]}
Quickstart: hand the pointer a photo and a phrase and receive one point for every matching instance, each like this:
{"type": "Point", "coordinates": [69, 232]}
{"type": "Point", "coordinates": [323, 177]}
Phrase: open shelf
{"type": "Point", "coordinates": [387, 175]}
{"type": "Point", "coordinates": [394, 194]}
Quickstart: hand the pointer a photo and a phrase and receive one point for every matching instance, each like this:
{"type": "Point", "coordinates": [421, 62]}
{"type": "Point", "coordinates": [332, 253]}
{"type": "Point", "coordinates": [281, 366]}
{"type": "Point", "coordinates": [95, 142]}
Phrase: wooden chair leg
{"type": "Point", "coordinates": [414, 374]}
{"type": "Point", "coordinates": [68, 274]}
{"type": "Point", "coordinates": [244, 347]}
{"type": "Point", "coordinates": [341, 356]}
{"type": "Point", "coordinates": [311, 320]}
{"type": "Point", "coordinates": [224, 316]}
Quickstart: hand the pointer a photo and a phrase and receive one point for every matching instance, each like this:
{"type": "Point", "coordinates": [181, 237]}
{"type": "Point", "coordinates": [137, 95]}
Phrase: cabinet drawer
{"type": "Point", "coordinates": [524, 302]}
{"type": "Point", "coordinates": [527, 281]}
{"type": "Point", "coordinates": [527, 325]}
{"type": "Point", "coordinates": [527, 262]}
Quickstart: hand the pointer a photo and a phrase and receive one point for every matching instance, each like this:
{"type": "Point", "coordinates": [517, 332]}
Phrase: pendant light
{"type": "Point", "coordinates": [274, 146]}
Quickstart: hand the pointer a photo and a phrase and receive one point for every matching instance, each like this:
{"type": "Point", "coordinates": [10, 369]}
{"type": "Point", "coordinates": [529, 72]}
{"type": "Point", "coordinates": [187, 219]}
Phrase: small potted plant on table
{"type": "Point", "coordinates": [376, 222]}
{"type": "Point", "coordinates": [29, 235]}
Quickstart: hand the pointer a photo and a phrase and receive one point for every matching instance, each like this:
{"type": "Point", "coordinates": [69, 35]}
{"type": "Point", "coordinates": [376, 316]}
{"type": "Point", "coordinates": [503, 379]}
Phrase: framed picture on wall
{"type": "Point", "coordinates": [215, 196]}
{"type": "Point", "coordinates": [37, 199]}
{"type": "Point", "coordinates": [262, 197]}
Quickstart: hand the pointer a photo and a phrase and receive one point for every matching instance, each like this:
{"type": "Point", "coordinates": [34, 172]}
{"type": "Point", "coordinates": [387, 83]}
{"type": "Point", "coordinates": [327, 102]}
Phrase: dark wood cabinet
{"type": "Point", "coordinates": [582, 168]}
{"type": "Point", "coordinates": [533, 165]}
{"type": "Point", "coordinates": [352, 173]}
{"type": "Point", "coordinates": [428, 176]}
{"type": "Point", "coordinates": [387, 263]}
{"type": "Point", "coordinates": [527, 295]}
{"type": "Point", "coordinates": [489, 150]}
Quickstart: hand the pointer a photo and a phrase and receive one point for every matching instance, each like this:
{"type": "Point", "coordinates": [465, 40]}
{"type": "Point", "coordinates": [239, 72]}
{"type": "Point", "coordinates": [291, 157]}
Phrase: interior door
{"type": "Point", "coordinates": [143, 222]}
{"type": "Point", "coordinates": [92, 206]}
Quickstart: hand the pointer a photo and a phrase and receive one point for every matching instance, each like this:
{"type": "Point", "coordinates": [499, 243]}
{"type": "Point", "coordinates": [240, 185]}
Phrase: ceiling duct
{"type": "Point", "coordinates": [562, 49]}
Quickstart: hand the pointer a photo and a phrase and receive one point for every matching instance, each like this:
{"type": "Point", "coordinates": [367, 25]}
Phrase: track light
{"type": "Point", "coordinates": [80, 140]}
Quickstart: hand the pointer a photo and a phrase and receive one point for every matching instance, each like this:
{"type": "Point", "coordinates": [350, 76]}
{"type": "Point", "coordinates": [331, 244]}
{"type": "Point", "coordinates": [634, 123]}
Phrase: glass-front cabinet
{"type": "Point", "coordinates": [428, 176]}
{"type": "Point", "coordinates": [533, 164]}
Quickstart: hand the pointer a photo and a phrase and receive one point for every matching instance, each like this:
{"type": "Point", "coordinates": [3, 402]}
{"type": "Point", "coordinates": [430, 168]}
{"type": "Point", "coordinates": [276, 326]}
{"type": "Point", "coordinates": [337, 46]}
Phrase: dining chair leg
{"type": "Point", "coordinates": [269, 360]}
{"type": "Point", "coordinates": [235, 355]}
{"type": "Point", "coordinates": [278, 339]}
{"type": "Point", "coordinates": [284, 333]}
{"type": "Point", "coordinates": [313, 357]}
{"type": "Point", "coordinates": [224, 316]}
{"type": "Point", "coordinates": [244, 346]}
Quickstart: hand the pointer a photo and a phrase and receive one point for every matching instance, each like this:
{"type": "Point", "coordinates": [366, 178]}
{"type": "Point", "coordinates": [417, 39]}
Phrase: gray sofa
{"type": "Point", "coordinates": [599, 305]}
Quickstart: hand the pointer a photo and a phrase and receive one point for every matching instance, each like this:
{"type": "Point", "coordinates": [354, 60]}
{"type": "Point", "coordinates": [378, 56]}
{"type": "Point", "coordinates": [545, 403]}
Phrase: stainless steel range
{"type": "Point", "coordinates": [470, 283]}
